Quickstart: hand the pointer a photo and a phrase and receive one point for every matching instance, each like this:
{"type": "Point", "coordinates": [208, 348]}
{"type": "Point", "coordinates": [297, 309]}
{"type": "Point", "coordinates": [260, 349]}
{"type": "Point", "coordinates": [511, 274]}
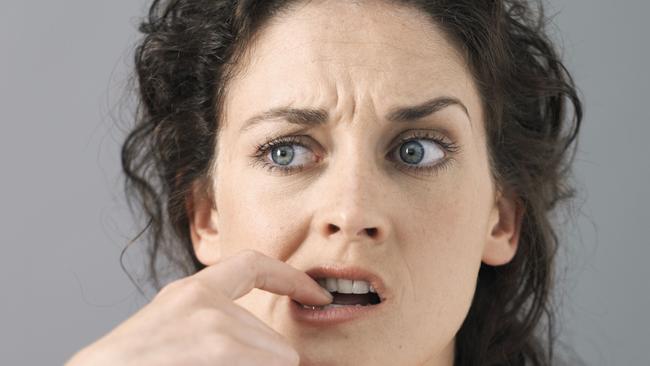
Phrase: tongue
{"type": "Point", "coordinates": [351, 299]}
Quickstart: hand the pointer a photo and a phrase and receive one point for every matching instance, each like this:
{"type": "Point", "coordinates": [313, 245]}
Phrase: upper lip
{"type": "Point", "coordinates": [351, 273]}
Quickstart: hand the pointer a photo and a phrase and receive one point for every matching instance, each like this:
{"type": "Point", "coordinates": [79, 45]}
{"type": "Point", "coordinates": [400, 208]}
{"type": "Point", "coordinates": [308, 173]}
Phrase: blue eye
{"type": "Point", "coordinates": [283, 151]}
{"type": "Point", "coordinates": [284, 154]}
{"type": "Point", "coordinates": [412, 151]}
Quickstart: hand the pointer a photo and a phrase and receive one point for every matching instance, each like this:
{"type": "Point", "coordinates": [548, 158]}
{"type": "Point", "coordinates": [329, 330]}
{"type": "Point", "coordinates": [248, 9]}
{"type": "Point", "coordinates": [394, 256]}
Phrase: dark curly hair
{"type": "Point", "coordinates": [192, 48]}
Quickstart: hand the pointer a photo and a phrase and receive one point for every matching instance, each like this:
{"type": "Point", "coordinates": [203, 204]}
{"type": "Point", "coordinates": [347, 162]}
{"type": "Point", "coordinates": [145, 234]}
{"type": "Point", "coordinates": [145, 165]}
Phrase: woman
{"type": "Point", "coordinates": [347, 183]}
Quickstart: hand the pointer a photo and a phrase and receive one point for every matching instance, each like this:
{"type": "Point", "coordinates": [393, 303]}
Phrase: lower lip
{"type": "Point", "coordinates": [332, 316]}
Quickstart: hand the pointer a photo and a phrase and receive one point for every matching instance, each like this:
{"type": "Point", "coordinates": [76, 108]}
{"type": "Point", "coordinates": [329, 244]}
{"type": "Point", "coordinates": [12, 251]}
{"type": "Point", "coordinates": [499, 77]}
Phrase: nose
{"type": "Point", "coordinates": [354, 202]}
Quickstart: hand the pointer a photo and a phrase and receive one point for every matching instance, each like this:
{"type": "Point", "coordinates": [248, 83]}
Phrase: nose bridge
{"type": "Point", "coordinates": [353, 207]}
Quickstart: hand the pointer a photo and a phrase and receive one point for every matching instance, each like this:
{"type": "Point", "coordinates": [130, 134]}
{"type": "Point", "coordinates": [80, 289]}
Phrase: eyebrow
{"type": "Point", "coordinates": [318, 116]}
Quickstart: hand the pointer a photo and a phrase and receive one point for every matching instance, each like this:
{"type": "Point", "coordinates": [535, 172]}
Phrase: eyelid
{"type": "Point", "coordinates": [280, 139]}
{"type": "Point", "coordinates": [415, 133]}
{"type": "Point", "coordinates": [446, 143]}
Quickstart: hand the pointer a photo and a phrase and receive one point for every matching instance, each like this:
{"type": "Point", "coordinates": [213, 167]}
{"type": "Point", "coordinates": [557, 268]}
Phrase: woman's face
{"type": "Point", "coordinates": [358, 63]}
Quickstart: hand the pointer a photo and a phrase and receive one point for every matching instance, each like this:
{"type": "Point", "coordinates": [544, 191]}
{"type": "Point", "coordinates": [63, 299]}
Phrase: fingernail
{"type": "Point", "coordinates": [327, 293]}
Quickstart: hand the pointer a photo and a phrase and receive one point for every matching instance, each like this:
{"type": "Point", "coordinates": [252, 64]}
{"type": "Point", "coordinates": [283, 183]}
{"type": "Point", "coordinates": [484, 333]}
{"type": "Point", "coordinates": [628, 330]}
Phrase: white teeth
{"type": "Point", "coordinates": [359, 287]}
{"type": "Point", "coordinates": [329, 306]}
{"type": "Point", "coordinates": [331, 285]}
{"type": "Point", "coordinates": [345, 286]}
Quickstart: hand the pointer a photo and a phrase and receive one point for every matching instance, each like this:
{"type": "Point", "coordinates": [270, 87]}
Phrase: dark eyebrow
{"type": "Point", "coordinates": [318, 116]}
{"type": "Point", "coordinates": [412, 113]}
{"type": "Point", "coordinates": [298, 116]}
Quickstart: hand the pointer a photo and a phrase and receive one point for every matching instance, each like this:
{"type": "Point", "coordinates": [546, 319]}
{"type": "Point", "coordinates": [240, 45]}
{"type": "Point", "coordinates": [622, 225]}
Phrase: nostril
{"type": "Point", "coordinates": [372, 232]}
{"type": "Point", "coordinates": [333, 228]}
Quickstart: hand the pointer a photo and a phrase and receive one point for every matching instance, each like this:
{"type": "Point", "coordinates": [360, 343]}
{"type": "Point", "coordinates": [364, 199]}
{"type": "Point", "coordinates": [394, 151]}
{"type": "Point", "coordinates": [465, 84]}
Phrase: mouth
{"type": "Point", "coordinates": [356, 292]}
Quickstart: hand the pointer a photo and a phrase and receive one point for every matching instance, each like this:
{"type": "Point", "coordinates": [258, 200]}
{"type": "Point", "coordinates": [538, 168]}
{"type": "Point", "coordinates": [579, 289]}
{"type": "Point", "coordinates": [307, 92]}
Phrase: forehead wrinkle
{"type": "Point", "coordinates": [340, 87]}
{"type": "Point", "coordinates": [344, 72]}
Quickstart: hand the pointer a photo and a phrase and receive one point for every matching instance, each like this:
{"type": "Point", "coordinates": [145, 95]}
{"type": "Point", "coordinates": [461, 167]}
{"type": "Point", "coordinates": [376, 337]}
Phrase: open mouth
{"type": "Point", "coordinates": [357, 293]}
{"type": "Point", "coordinates": [347, 292]}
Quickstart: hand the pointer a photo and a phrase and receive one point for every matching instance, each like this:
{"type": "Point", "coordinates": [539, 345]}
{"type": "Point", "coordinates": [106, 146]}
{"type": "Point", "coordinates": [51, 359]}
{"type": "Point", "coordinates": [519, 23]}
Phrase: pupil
{"type": "Point", "coordinates": [412, 152]}
{"type": "Point", "coordinates": [284, 156]}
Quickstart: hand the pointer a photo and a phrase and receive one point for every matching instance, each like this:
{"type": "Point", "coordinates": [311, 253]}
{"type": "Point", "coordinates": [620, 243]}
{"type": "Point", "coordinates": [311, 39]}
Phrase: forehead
{"type": "Point", "coordinates": [320, 54]}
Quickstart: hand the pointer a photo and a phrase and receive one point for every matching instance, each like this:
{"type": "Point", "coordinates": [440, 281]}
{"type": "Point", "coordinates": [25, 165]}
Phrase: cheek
{"type": "Point", "coordinates": [445, 245]}
{"type": "Point", "coordinates": [443, 252]}
{"type": "Point", "coordinates": [252, 217]}
{"type": "Point", "coordinates": [445, 257]}
{"type": "Point", "coordinates": [445, 219]}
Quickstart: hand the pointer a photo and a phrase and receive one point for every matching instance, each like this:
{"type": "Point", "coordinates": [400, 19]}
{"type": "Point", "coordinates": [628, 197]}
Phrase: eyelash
{"type": "Point", "coordinates": [262, 150]}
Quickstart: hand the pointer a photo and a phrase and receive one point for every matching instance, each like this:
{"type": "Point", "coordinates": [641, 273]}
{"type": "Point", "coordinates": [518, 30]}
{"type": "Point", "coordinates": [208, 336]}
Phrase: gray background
{"type": "Point", "coordinates": [63, 68]}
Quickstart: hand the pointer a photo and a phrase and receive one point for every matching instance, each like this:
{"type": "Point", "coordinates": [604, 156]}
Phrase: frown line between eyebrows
{"type": "Point", "coordinates": [310, 117]}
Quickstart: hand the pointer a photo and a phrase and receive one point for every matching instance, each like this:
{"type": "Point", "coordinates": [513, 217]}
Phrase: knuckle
{"type": "Point", "coordinates": [170, 293]}
{"type": "Point", "coordinates": [211, 319]}
{"type": "Point", "coordinates": [191, 292]}
{"type": "Point", "coordinates": [250, 259]}
{"type": "Point", "coordinates": [188, 292]}
{"type": "Point", "coordinates": [250, 255]}
{"type": "Point", "coordinates": [193, 287]}
{"type": "Point", "coordinates": [170, 287]}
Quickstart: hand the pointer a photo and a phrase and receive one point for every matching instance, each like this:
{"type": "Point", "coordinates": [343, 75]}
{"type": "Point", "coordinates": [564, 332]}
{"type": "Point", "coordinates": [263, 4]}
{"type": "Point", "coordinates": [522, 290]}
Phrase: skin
{"type": "Point", "coordinates": [357, 60]}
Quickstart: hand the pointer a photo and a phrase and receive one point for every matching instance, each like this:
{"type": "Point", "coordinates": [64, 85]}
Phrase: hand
{"type": "Point", "coordinates": [195, 321]}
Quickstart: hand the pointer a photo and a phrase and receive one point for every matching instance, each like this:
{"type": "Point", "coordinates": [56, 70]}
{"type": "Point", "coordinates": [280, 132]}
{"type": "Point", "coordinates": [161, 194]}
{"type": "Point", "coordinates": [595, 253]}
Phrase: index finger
{"type": "Point", "coordinates": [237, 275]}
